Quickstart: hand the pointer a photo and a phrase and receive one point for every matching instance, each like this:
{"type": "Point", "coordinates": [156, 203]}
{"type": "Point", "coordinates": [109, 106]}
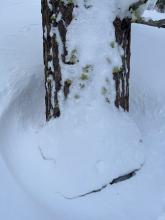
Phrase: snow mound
{"type": "Point", "coordinates": [75, 154]}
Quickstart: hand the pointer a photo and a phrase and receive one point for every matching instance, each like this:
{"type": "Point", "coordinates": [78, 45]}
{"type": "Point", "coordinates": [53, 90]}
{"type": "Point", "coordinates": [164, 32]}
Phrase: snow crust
{"type": "Point", "coordinates": [92, 143]}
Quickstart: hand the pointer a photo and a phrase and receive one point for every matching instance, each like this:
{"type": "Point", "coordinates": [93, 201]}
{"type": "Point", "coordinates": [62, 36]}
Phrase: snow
{"type": "Point", "coordinates": [15, 203]}
{"type": "Point", "coordinates": [45, 167]}
{"type": "Point", "coordinates": [154, 15]}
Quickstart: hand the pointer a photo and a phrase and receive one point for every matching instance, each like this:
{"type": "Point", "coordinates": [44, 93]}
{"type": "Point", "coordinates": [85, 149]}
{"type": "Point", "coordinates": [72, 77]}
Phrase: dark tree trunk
{"type": "Point", "coordinates": [121, 76]}
{"type": "Point", "coordinates": [52, 57]}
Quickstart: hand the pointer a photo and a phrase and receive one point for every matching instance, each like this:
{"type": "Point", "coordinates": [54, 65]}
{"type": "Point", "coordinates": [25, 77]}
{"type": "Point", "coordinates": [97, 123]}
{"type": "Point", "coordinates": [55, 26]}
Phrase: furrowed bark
{"type": "Point", "coordinates": [121, 76]}
{"type": "Point", "coordinates": [56, 16]}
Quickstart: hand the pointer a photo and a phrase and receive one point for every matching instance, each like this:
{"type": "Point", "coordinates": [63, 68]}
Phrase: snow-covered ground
{"type": "Point", "coordinates": [38, 176]}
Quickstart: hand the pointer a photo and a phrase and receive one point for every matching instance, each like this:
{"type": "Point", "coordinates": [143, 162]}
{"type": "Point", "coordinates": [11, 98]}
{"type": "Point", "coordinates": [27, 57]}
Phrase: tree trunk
{"type": "Point", "coordinates": [56, 17]}
{"type": "Point", "coordinates": [53, 75]}
{"type": "Point", "coordinates": [121, 77]}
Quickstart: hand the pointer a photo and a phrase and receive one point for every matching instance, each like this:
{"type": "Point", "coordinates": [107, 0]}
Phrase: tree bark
{"type": "Point", "coordinates": [53, 25]}
{"type": "Point", "coordinates": [121, 77]}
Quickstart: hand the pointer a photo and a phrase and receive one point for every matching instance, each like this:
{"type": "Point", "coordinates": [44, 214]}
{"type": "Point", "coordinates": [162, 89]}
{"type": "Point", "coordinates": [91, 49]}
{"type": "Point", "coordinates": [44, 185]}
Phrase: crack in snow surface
{"type": "Point", "coordinates": [114, 181]}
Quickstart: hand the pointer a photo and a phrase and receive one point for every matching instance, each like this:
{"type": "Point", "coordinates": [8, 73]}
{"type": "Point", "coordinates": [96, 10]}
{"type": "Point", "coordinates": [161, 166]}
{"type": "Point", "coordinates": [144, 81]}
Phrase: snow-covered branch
{"type": "Point", "coordinates": [159, 23]}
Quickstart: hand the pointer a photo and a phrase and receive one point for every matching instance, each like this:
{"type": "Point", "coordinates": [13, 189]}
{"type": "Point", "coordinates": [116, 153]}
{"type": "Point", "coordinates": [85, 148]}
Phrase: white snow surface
{"type": "Point", "coordinates": [153, 14]}
{"type": "Point", "coordinates": [44, 165]}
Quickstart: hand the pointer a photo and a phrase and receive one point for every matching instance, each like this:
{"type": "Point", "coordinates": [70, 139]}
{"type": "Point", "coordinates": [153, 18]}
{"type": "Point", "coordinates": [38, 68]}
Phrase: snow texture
{"type": "Point", "coordinates": [44, 166]}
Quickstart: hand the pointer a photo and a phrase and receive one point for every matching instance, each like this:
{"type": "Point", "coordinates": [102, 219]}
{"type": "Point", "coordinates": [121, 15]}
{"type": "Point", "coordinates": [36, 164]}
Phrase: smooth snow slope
{"type": "Point", "coordinates": [14, 201]}
{"type": "Point", "coordinates": [20, 32]}
{"type": "Point", "coordinates": [50, 169]}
